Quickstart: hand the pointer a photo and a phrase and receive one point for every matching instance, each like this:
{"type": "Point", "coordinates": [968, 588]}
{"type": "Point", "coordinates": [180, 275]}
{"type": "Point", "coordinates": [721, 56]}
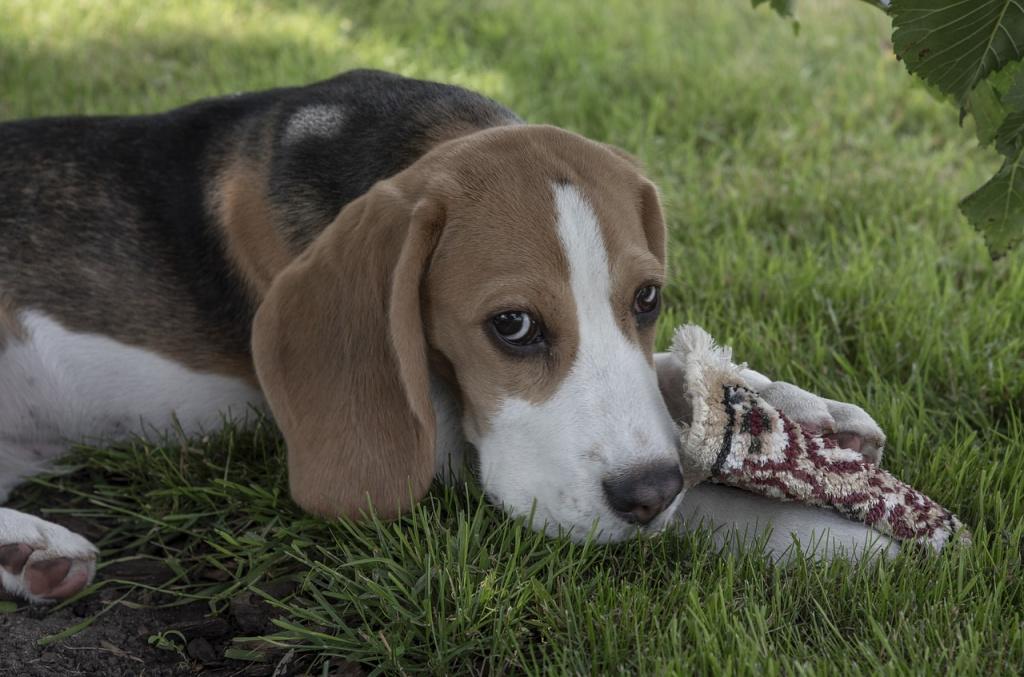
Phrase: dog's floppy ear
{"type": "Point", "coordinates": [624, 155]}
{"type": "Point", "coordinates": [650, 204]}
{"type": "Point", "coordinates": [653, 219]}
{"type": "Point", "coordinates": [339, 349]}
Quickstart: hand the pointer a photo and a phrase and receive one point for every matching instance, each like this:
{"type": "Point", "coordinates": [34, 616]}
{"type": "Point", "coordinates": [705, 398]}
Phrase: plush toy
{"type": "Point", "coordinates": [736, 438]}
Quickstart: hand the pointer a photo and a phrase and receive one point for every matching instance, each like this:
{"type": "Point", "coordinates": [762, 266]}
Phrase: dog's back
{"type": "Point", "coordinates": [130, 226]}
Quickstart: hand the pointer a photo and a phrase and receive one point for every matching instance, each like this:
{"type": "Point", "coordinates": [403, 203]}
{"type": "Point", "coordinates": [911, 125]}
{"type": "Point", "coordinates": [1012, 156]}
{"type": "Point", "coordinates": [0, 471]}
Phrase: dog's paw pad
{"type": "Point", "coordinates": [847, 440]}
{"type": "Point", "coordinates": [13, 557]}
{"type": "Point", "coordinates": [856, 430]}
{"type": "Point", "coordinates": [42, 575]}
{"type": "Point", "coordinates": [57, 578]}
{"type": "Point", "coordinates": [46, 562]}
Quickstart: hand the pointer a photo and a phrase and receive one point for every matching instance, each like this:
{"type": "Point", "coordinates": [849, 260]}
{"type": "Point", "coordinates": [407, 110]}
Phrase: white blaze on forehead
{"type": "Point", "coordinates": [320, 121]}
{"type": "Point", "coordinates": [605, 359]}
{"type": "Point", "coordinates": [589, 274]}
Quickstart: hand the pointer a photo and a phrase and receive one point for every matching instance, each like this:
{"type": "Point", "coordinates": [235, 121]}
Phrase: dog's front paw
{"type": "Point", "coordinates": [847, 424]}
{"type": "Point", "coordinates": [854, 428]}
{"type": "Point", "coordinates": [41, 561]}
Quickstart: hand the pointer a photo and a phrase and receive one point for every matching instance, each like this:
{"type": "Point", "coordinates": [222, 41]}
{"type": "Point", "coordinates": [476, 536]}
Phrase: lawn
{"type": "Point", "coordinates": [810, 187]}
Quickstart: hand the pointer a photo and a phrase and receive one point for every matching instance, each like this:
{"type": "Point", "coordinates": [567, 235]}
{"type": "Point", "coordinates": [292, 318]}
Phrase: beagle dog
{"type": "Point", "coordinates": [407, 277]}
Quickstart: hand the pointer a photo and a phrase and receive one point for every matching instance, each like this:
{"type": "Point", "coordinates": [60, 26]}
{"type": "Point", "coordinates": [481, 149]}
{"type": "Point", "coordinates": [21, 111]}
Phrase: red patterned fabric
{"type": "Point", "coordinates": [736, 438]}
{"type": "Point", "coordinates": [766, 453]}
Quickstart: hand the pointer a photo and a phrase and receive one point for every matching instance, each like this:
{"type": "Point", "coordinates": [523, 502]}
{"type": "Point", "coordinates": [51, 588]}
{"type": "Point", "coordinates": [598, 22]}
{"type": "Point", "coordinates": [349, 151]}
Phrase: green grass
{"type": "Point", "coordinates": [811, 193]}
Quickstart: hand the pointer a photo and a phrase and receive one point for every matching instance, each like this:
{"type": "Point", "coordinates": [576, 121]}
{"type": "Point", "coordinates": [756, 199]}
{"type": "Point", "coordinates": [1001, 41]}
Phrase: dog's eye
{"type": "Point", "coordinates": [517, 328]}
{"type": "Point", "coordinates": [646, 300]}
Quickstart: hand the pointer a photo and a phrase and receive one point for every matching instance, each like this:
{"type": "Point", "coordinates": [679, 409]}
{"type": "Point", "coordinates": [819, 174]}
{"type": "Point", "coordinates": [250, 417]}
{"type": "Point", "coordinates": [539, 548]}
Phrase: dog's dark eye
{"type": "Point", "coordinates": [646, 300]}
{"type": "Point", "coordinates": [517, 328]}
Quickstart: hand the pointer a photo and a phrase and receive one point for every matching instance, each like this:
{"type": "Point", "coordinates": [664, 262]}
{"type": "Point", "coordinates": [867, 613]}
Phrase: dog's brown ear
{"type": "Point", "coordinates": [628, 157]}
{"type": "Point", "coordinates": [650, 204]}
{"type": "Point", "coordinates": [339, 349]}
{"type": "Point", "coordinates": [653, 219]}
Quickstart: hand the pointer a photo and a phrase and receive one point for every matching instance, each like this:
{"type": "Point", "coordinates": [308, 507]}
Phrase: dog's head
{"type": "Point", "coordinates": [520, 266]}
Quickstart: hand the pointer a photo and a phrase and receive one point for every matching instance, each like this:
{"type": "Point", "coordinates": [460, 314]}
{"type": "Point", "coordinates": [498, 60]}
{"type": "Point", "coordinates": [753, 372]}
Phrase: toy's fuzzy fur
{"type": "Point", "coordinates": [736, 438]}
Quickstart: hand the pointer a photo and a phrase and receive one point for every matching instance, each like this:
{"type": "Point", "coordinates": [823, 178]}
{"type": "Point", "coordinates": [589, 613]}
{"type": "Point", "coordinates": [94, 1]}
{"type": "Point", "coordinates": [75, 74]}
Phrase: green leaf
{"type": "Point", "coordinates": [1014, 97]}
{"type": "Point", "coordinates": [988, 103]}
{"type": "Point", "coordinates": [1004, 78]}
{"type": "Point", "coordinates": [955, 44]}
{"type": "Point", "coordinates": [786, 8]}
{"type": "Point", "coordinates": [1010, 135]}
{"type": "Point", "coordinates": [997, 208]}
{"type": "Point", "coordinates": [983, 103]}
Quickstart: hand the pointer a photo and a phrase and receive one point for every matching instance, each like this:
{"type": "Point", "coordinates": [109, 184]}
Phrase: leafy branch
{"type": "Point", "coordinates": [970, 50]}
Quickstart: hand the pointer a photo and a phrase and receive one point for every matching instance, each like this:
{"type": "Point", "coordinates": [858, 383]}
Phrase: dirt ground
{"type": "Point", "coordinates": [126, 639]}
{"type": "Point", "coordinates": [117, 643]}
{"type": "Point", "coordinates": [134, 632]}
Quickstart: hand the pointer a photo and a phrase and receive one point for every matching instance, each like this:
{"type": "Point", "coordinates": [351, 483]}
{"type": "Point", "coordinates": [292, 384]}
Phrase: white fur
{"type": "Point", "coordinates": [318, 121]}
{"type": "Point", "coordinates": [48, 541]}
{"type": "Point", "coordinates": [605, 418]}
{"type": "Point", "coordinates": [452, 450]}
{"type": "Point", "coordinates": [740, 520]}
{"type": "Point", "coordinates": [755, 380]}
{"type": "Point", "coordinates": [59, 387]}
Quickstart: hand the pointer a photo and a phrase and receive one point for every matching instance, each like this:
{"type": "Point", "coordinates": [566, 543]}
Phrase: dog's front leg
{"type": "Point", "coordinates": [740, 520]}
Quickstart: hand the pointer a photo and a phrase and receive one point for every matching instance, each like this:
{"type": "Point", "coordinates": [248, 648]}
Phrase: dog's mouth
{"type": "Point", "coordinates": [606, 529]}
{"type": "Point", "coordinates": [666, 518]}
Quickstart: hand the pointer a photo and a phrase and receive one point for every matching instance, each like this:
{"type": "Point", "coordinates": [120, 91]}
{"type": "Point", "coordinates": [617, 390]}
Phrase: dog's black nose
{"type": "Point", "coordinates": [640, 494]}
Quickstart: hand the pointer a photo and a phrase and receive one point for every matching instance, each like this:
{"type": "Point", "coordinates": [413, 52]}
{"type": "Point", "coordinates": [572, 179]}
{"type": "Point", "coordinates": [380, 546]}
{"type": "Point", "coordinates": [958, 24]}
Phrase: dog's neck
{"type": "Point", "coordinates": [455, 455]}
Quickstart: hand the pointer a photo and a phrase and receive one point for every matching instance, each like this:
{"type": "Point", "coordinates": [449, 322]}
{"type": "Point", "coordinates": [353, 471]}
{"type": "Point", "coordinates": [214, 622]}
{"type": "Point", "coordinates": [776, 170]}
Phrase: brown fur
{"type": "Point", "coordinates": [634, 229]}
{"type": "Point", "coordinates": [10, 327]}
{"type": "Point", "coordinates": [409, 275]}
{"type": "Point", "coordinates": [339, 350]}
{"type": "Point", "coordinates": [253, 244]}
{"type": "Point", "coordinates": [58, 256]}
{"type": "Point", "coordinates": [501, 252]}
